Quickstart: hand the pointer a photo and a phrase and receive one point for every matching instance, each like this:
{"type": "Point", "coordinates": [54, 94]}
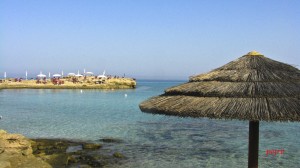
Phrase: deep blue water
{"type": "Point", "coordinates": [148, 140]}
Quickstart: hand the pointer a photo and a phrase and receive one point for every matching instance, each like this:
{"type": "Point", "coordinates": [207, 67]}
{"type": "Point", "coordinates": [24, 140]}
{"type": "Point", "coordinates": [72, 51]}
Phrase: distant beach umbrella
{"type": "Point", "coordinates": [89, 73]}
{"type": "Point", "coordinates": [253, 88]}
{"type": "Point", "coordinates": [71, 74]}
{"type": "Point", "coordinates": [56, 75]}
{"type": "Point", "coordinates": [103, 75]}
{"type": "Point", "coordinates": [41, 75]}
{"type": "Point", "coordinates": [78, 75]}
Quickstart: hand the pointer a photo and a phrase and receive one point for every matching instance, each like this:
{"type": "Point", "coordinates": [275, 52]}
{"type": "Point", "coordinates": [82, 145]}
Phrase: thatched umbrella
{"type": "Point", "coordinates": [253, 88]}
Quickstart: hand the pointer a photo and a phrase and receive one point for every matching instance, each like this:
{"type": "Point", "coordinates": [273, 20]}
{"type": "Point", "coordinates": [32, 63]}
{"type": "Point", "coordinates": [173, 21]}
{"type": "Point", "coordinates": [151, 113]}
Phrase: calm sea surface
{"type": "Point", "coordinates": [148, 140]}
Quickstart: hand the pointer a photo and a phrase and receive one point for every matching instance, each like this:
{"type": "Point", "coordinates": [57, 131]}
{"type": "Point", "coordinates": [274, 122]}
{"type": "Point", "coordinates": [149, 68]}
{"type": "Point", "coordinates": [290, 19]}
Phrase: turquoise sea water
{"type": "Point", "coordinates": [148, 140]}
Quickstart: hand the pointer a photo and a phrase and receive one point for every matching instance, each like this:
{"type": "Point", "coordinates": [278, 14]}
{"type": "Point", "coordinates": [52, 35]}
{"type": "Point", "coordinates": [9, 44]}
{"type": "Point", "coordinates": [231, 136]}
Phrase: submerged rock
{"type": "Point", "coordinates": [65, 153]}
{"type": "Point", "coordinates": [111, 140]}
{"type": "Point", "coordinates": [91, 146]}
{"type": "Point", "coordinates": [118, 155]}
{"type": "Point", "coordinates": [18, 151]}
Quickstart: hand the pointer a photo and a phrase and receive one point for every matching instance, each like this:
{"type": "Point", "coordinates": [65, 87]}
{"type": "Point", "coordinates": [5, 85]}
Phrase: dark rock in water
{"type": "Point", "coordinates": [118, 155]}
{"type": "Point", "coordinates": [91, 146]}
{"type": "Point", "coordinates": [57, 160]}
{"type": "Point", "coordinates": [111, 140]}
{"type": "Point", "coordinates": [72, 159]}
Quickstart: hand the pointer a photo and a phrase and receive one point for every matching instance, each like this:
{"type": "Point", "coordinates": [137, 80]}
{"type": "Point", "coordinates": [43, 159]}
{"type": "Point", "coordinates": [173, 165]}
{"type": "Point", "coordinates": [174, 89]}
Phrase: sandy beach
{"type": "Point", "coordinates": [69, 83]}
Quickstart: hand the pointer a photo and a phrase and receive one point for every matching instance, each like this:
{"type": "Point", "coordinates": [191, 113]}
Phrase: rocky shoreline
{"type": "Point", "coordinates": [19, 151]}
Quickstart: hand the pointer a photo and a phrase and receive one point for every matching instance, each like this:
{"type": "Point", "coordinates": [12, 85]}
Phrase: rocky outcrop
{"type": "Point", "coordinates": [16, 151]}
{"type": "Point", "coordinates": [69, 154]}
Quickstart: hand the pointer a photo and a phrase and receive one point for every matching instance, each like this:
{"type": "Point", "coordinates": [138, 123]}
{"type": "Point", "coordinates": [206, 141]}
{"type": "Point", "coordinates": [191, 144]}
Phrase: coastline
{"type": "Point", "coordinates": [67, 83]}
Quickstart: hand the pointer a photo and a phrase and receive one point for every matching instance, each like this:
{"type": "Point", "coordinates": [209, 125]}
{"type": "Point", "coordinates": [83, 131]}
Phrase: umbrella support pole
{"type": "Point", "coordinates": [253, 144]}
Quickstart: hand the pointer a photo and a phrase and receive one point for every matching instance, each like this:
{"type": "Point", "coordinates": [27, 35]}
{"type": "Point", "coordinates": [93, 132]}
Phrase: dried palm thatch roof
{"type": "Point", "coordinates": [253, 87]}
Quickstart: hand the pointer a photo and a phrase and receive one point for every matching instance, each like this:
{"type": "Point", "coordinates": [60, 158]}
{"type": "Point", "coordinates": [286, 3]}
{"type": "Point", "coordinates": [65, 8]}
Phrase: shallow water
{"type": "Point", "coordinates": [148, 140]}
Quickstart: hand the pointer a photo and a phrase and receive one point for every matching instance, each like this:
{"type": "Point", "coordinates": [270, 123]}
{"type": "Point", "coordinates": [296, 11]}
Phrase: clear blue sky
{"type": "Point", "coordinates": [161, 39]}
